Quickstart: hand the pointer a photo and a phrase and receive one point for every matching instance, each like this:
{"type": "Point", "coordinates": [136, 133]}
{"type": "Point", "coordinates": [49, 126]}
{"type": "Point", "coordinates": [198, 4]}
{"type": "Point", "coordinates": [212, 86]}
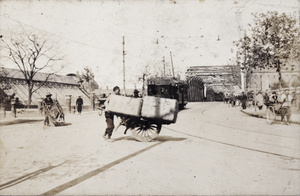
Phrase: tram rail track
{"type": "Point", "coordinates": [234, 129]}
{"type": "Point", "coordinates": [245, 130]}
{"type": "Point", "coordinates": [233, 145]}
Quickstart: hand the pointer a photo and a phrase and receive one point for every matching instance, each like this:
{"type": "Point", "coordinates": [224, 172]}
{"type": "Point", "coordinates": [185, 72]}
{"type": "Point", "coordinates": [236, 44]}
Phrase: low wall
{"type": "Point", "coordinates": [25, 112]}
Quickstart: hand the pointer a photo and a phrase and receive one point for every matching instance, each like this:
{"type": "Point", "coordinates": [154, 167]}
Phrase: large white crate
{"type": "Point", "coordinates": [124, 105]}
{"type": "Point", "coordinates": [160, 108]}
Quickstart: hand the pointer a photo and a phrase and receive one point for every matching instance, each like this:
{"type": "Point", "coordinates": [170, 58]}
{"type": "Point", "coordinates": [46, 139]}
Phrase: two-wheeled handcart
{"type": "Point", "coordinates": [145, 116]}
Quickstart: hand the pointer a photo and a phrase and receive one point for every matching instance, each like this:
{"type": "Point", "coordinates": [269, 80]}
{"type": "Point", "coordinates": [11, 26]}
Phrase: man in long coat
{"type": "Point", "coordinates": [79, 103]}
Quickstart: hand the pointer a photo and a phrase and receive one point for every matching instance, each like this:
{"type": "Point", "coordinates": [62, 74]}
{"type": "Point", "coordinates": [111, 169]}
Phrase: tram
{"type": "Point", "coordinates": [169, 87]}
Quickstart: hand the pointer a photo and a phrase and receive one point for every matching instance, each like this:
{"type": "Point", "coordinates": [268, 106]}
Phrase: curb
{"type": "Point", "coordinates": [262, 116]}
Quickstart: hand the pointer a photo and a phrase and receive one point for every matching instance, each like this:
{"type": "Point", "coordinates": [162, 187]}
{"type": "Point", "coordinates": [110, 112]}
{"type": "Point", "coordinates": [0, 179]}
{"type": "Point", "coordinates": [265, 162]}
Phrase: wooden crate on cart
{"type": "Point", "coordinates": [128, 106]}
{"type": "Point", "coordinates": [160, 109]}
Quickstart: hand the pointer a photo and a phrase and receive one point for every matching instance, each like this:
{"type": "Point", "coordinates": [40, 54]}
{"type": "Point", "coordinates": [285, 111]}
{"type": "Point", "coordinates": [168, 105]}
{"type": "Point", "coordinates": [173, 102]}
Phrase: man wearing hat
{"type": "Point", "coordinates": [47, 102]}
{"type": "Point", "coordinates": [286, 99]}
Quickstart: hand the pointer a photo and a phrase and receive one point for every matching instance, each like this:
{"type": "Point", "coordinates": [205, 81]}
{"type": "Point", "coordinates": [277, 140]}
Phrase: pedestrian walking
{"type": "Point", "coordinates": [294, 100]}
{"type": "Point", "coordinates": [79, 103]}
{"type": "Point", "coordinates": [47, 105]}
{"type": "Point", "coordinates": [14, 106]}
{"type": "Point", "coordinates": [286, 106]}
{"type": "Point", "coordinates": [244, 100]}
{"type": "Point", "coordinates": [109, 117]}
{"type": "Point", "coordinates": [259, 100]}
{"type": "Point", "coordinates": [233, 100]}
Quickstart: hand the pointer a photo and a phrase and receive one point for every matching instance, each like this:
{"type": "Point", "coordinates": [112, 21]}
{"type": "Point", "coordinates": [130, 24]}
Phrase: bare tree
{"type": "Point", "coordinates": [151, 69]}
{"type": "Point", "coordinates": [31, 55]}
{"type": "Point", "coordinates": [145, 73]}
{"type": "Point", "coordinates": [88, 76]}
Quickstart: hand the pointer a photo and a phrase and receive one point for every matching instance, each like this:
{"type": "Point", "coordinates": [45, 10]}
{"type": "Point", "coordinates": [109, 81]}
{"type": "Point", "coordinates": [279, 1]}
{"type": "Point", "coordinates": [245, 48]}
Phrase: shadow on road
{"type": "Point", "coordinates": [18, 121]}
{"type": "Point", "coordinates": [28, 176]}
{"type": "Point", "coordinates": [127, 138]}
{"type": "Point", "coordinates": [169, 138]}
{"type": "Point", "coordinates": [184, 109]}
{"type": "Point", "coordinates": [158, 139]}
{"type": "Point", "coordinates": [63, 124]}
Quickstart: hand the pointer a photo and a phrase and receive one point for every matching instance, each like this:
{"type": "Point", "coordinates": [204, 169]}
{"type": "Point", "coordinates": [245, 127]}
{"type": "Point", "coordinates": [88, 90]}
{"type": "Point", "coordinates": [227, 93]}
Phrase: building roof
{"type": "Point", "coordinates": [40, 76]}
{"type": "Point", "coordinates": [164, 80]}
{"type": "Point", "coordinates": [209, 70]}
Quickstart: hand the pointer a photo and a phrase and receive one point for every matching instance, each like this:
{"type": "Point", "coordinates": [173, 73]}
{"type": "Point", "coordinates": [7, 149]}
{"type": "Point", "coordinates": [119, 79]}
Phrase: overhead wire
{"type": "Point", "coordinates": [127, 36]}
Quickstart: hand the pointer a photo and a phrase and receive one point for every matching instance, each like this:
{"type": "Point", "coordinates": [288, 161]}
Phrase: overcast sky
{"type": "Point", "coordinates": [89, 33]}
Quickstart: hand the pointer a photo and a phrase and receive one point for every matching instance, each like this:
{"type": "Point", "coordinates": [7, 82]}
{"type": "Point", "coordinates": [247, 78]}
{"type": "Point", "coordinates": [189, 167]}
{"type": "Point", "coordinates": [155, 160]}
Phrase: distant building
{"type": "Point", "coordinates": [216, 80]}
{"type": "Point", "coordinates": [59, 86]}
{"type": "Point", "coordinates": [227, 79]}
{"type": "Point", "coordinates": [261, 80]}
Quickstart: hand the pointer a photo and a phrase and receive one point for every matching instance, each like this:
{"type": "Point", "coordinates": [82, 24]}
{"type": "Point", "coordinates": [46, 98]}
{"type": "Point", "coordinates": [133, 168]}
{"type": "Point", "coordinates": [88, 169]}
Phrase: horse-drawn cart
{"type": "Point", "coordinates": [145, 116]}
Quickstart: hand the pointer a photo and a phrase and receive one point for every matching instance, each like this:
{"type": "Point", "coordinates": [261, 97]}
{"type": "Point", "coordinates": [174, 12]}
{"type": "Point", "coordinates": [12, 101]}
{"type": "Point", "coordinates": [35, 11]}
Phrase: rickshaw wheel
{"type": "Point", "coordinates": [146, 132]}
{"type": "Point", "coordinates": [271, 115]}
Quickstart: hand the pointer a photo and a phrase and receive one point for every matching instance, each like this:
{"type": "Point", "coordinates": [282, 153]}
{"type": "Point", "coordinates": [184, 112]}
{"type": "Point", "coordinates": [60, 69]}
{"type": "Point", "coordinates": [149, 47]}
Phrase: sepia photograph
{"type": "Point", "coordinates": [150, 97]}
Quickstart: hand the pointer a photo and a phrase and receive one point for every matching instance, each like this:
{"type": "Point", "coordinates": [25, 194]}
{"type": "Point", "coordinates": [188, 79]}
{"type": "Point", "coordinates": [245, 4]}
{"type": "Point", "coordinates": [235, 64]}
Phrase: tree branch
{"type": "Point", "coordinates": [42, 83]}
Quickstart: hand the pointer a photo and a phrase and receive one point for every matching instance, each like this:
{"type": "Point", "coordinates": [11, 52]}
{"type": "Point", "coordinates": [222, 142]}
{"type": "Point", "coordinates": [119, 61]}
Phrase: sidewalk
{"type": "Point", "coordinates": [295, 118]}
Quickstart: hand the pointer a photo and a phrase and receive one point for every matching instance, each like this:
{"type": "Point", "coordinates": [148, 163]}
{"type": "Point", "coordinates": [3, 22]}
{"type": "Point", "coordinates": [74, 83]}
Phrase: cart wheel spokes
{"type": "Point", "coordinates": [271, 115]}
{"type": "Point", "coordinates": [146, 132]}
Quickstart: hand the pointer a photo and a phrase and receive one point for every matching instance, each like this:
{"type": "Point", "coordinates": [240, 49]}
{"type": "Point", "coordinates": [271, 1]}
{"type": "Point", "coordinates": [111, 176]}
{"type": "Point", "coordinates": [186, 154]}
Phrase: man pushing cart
{"type": "Point", "coordinates": [52, 111]}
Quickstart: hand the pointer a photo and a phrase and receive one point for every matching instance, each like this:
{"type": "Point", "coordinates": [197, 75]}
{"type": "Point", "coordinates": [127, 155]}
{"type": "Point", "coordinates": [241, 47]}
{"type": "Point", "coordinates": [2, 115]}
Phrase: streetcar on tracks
{"type": "Point", "coordinates": [169, 87]}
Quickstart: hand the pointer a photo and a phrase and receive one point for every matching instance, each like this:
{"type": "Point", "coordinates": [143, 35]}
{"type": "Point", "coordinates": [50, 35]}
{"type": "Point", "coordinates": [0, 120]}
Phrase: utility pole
{"type": "Point", "coordinates": [124, 63]}
{"type": "Point", "coordinates": [239, 22]}
{"type": "Point", "coordinates": [172, 64]}
{"type": "Point", "coordinates": [164, 62]}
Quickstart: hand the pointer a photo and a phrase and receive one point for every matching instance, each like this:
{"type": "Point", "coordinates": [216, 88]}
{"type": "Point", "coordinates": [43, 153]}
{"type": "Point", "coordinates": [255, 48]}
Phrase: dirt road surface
{"type": "Point", "coordinates": [213, 149]}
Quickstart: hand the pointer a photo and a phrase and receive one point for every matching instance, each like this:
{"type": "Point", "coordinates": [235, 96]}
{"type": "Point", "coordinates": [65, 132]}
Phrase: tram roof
{"type": "Point", "coordinates": [165, 80]}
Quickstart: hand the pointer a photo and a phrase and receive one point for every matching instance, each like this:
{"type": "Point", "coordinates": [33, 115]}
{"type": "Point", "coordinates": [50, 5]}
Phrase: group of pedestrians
{"type": "Point", "coordinates": [282, 101]}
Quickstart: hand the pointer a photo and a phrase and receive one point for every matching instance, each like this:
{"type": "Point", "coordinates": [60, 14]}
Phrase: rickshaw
{"type": "Point", "coordinates": [55, 113]}
{"type": "Point", "coordinates": [273, 110]}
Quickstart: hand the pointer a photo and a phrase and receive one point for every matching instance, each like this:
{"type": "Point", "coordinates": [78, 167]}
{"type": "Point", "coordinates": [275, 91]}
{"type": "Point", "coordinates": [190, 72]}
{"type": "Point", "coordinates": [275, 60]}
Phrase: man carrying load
{"type": "Point", "coordinates": [109, 117]}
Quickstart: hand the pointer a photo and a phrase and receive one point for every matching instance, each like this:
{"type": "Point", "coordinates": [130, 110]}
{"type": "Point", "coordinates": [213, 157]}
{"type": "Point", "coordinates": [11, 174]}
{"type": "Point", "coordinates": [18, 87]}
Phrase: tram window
{"type": "Point", "coordinates": [184, 89]}
{"type": "Point", "coordinates": [180, 89]}
{"type": "Point", "coordinates": [176, 89]}
{"type": "Point", "coordinates": [163, 90]}
{"type": "Point", "coordinates": [152, 90]}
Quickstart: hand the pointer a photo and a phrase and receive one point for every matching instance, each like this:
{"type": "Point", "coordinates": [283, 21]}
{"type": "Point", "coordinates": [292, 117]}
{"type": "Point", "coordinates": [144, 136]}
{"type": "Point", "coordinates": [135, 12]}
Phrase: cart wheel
{"type": "Point", "coordinates": [271, 115]}
{"type": "Point", "coordinates": [146, 132]}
